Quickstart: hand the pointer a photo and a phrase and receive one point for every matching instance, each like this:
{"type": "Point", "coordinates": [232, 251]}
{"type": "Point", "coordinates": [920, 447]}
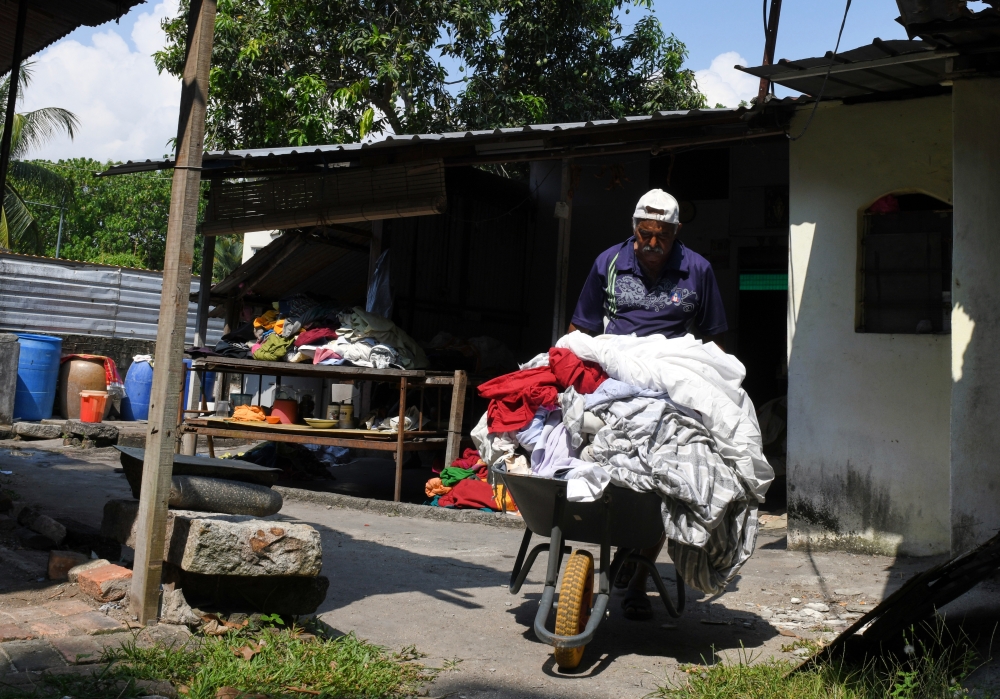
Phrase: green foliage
{"type": "Point", "coordinates": [32, 129]}
{"type": "Point", "coordinates": [299, 72]}
{"type": "Point", "coordinates": [228, 256]}
{"type": "Point", "coordinates": [106, 217]}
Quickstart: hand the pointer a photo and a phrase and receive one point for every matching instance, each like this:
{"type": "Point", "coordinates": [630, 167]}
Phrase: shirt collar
{"type": "Point", "coordinates": [676, 261]}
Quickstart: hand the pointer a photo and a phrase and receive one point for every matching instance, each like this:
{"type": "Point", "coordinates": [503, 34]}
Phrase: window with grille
{"type": "Point", "coordinates": [904, 283]}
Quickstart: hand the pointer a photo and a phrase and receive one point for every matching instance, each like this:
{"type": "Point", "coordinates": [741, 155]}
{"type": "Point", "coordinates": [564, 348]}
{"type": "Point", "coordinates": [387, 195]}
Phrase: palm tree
{"type": "Point", "coordinates": [30, 130]}
{"type": "Point", "coordinates": [228, 256]}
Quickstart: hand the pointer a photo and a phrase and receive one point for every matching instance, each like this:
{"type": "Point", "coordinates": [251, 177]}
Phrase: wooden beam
{"type": "Point", "coordinates": [564, 213]}
{"type": "Point", "coordinates": [164, 399]}
{"type": "Point", "coordinates": [400, 438]}
{"type": "Point", "coordinates": [455, 418]}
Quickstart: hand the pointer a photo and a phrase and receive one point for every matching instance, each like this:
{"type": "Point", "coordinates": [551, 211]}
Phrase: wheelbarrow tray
{"type": "Point", "coordinates": [622, 517]}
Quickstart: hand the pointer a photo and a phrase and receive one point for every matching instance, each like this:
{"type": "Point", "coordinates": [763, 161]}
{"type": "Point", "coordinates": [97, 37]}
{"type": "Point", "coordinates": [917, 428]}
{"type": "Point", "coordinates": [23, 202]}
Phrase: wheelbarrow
{"type": "Point", "coordinates": [624, 518]}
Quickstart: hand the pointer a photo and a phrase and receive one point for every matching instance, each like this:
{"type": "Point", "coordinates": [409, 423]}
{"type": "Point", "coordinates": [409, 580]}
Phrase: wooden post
{"type": "Point", "coordinates": [165, 393]}
{"type": "Point", "coordinates": [770, 39]}
{"type": "Point", "coordinates": [15, 75]}
{"type": "Point", "coordinates": [454, 442]}
{"type": "Point", "coordinates": [399, 440]}
{"type": "Point", "coordinates": [564, 212]}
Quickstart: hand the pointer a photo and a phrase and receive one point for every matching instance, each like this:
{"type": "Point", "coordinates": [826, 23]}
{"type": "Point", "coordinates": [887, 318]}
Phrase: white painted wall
{"type": "Point", "coordinates": [868, 414]}
{"type": "Point", "coordinates": [253, 242]}
{"type": "Point", "coordinates": [975, 398]}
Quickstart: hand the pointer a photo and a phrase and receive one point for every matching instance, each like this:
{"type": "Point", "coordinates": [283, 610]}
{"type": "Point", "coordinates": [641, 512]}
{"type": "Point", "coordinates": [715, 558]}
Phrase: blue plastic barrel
{"type": "Point", "coordinates": [37, 376]}
{"type": "Point", "coordinates": [209, 383]}
{"type": "Point", "coordinates": [138, 383]}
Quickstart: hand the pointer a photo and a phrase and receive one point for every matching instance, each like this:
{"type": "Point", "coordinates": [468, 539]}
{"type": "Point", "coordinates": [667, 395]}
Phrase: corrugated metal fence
{"type": "Point", "coordinates": [64, 297]}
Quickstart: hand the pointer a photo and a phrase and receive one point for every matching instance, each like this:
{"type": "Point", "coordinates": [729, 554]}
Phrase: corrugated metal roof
{"type": "Point", "coordinates": [487, 145]}
{"type": "Point", "coordinates": [882, 66]}
{"type": "Point", "coordinates": [40, 294]}
{"type": "Point", "coordinates": [966, 31]}
{"type": "Point", "coordinates": [49, 21]}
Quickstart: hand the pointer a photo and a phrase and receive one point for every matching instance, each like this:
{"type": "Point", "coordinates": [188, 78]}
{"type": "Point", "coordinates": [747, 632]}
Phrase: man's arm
{"type": "Point", "coordinates": [573, 328]}
{"type": "Point", "coordinates": [717, 339]}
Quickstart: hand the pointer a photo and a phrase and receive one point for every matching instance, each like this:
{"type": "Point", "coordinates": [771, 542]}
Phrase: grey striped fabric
{"type": "Point", "coordinates": [709, 516]}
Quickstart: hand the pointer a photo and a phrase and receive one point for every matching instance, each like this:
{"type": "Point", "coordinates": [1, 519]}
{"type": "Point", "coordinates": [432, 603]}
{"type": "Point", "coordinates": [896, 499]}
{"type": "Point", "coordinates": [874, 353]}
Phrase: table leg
{"type": "Point", "coordinates": [455, 419]}
{"type": "Point", "coordinates": [399, 440]}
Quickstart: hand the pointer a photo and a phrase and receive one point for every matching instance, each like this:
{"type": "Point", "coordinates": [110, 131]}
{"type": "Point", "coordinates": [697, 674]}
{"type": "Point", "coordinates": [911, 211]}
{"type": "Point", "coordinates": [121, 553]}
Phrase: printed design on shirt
{"type": "Point", "coordinates": [630, 292]}
{"type": "Point", "coordinates": [609, 290]}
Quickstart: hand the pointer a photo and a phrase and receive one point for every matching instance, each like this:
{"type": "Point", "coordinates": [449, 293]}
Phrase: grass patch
{"type": "Point", "coordinates": [277, 662]}
{"type": "Point", "coordinates": [932, 665]}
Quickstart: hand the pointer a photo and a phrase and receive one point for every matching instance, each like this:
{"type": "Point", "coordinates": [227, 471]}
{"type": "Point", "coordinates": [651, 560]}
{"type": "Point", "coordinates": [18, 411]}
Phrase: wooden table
{"type": "Point", "coordinates": [399, 441]}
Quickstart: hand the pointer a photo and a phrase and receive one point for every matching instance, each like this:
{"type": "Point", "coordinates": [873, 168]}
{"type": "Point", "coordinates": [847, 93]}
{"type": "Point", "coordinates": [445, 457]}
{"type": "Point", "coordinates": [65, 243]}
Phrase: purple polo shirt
{"type": "Point", "coordinates": [685, 296]}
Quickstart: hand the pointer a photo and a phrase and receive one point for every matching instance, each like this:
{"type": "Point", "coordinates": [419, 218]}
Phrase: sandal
{"type": "Point", "coordinates": [637, 606]}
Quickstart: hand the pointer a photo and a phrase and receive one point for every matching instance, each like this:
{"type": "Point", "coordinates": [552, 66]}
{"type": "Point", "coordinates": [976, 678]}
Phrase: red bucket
{"type": "Point", "coordinates": [92, 405]}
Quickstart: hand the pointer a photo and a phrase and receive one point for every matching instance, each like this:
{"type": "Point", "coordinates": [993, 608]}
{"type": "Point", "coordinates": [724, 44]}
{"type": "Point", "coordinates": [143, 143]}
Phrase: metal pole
{"type": "Point", "coordinates": [62, 217]}
{"type": "Point", "coordinates": [769, 42]}
{"type": "Point", "coordinates": [165, 395]}
{"type": "Point", "coordinates": [15, 75]}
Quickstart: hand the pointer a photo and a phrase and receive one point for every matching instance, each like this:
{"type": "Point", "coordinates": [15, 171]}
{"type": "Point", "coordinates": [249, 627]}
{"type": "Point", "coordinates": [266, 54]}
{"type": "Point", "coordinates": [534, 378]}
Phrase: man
{"type": "Point", "coordinates": [650, 284]}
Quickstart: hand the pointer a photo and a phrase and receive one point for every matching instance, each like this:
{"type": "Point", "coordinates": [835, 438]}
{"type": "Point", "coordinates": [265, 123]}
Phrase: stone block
{"type": "Point", "coordinates": [7, 523]}
{"type": "Point", "coordinates": [42, 524]}
{"type": "Point", "coordinates": [174, 608]}
{"type": "Point", "coordinates": [37, 430]}
{"type": "Point", "coordinates": [94, 623]}
{"type": "Point", "coordinates": [216, 544]}
{"type": "Point", "coordinates": [284, 595]}
{"type": "Point", "coordinates": [32, 656]}
{"type": "Point", "coordinates": [7, 432]}
{"type": "Point", "coordinates": [74, 572]}
{"type": "Point", "coordinates": [33, 540]}
{"type": "Point", "coordinates": [61, 561]}
{"type": "Point", "coordinates": [95, 431]}
{"type": "Point", "coordinates": [53, 626]}
{"type": "Point", "coordinates": [77, 650]}
{"type": "Point", "coordinates": [227, 469]}
{"type": "Point", "coordinates": [6, 503]}
{"type": "Point", "coordinates": [105, 584]}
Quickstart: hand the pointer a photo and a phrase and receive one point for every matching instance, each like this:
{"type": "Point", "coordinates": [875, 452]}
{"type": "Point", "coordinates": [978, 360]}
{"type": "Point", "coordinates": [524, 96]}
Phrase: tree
{"type": "Point", "coordinates": [114, 220]}
{"type": "Point", "coordinates": [30, 130]}
{"type": "Point", "coordinates": [228, 256]}
{"type": "Point", "coordinates": [299, 72]}
{"type": "Point", "coordinates": [569, 60]}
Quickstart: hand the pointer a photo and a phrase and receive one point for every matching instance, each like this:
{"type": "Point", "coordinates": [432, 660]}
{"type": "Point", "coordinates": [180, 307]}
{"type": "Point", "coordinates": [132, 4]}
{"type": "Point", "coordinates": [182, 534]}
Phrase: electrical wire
{"type": "Point", "coordinates": [822, 90]}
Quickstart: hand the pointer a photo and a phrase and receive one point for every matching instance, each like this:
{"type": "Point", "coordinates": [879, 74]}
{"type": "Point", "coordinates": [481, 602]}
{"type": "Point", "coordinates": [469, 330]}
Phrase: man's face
{"type": "Point", "coordinates": [654, 240]}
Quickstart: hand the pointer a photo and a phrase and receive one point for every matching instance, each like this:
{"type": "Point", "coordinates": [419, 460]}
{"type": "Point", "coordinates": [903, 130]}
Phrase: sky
{"type": "Point", "coordinates": [128, 111]}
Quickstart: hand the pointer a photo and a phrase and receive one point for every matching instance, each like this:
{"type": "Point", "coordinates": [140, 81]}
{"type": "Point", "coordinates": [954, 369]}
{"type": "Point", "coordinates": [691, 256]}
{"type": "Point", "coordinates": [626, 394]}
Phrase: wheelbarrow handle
{"type": "Point", "coordinates": [582, 638]}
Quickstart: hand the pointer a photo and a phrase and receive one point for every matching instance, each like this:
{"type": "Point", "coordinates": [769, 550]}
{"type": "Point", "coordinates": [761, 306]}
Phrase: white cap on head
{"type": "Point", "coordinates": [656, 205]}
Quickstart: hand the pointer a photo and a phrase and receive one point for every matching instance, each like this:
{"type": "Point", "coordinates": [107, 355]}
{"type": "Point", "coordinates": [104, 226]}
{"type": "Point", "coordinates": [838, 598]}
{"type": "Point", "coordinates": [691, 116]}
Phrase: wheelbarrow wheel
{"type": "Point", "coordinates": [573, 613]}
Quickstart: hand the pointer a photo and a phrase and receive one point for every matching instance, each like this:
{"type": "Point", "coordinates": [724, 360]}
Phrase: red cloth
{"type": "Point", "coordinates": [515, 398]}
{"type": "Point", "coordinates": [569, 370]}
{"type": "Point", "coordinates": [473, 462]}
{"type": "Point", "coordinates": [322, 354]}
{"type": "Point", "coordinates": [316, 336]}
{"type": "Point", "coordinates": [469, 494]}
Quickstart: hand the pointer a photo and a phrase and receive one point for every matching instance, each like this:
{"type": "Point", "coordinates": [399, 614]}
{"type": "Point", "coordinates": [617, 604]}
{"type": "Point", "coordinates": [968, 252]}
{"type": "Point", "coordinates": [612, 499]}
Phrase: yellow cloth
{"type": "Point", "coordinates": [248, 413]}
{"type": "Point", "coordinates": [279, 326]}
{"type": "Point", "coordinates": [500, 494]}
{"type": "Point", "coordinates": [266, 321]}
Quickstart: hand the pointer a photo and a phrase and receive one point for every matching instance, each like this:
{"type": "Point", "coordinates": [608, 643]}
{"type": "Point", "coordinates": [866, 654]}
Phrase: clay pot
{"type": "Point", "coordinates": [78, 375]}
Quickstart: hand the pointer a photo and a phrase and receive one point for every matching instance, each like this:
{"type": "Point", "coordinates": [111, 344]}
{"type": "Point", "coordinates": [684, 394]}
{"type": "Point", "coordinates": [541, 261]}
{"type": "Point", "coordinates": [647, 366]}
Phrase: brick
{"type": "Point", "coordinates": [95, 623]}
{"type": "Point", "coordinates": [74, 573]}
{"type": "Point", "coordinates": [105, 584]}
{"type": "Point", "coordinates": [69, 607]}
{"type": "Point", "coordinates": [28, 656]}
{"type": "Point", "coordinates": [60, 563]}
{"type": "Point", "coordinates": [77, 650]}
{"type": "Point", "coordinates": [14, 632]}
{"type": "Point", "coordinates": [55, 626]}
{"type": "Point", "coordinates": [25, 614]}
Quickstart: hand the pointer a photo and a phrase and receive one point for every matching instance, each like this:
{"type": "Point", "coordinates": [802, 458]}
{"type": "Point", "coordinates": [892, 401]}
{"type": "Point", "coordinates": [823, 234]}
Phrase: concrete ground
{"type": "Point", "coordinates": [442, 586]}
